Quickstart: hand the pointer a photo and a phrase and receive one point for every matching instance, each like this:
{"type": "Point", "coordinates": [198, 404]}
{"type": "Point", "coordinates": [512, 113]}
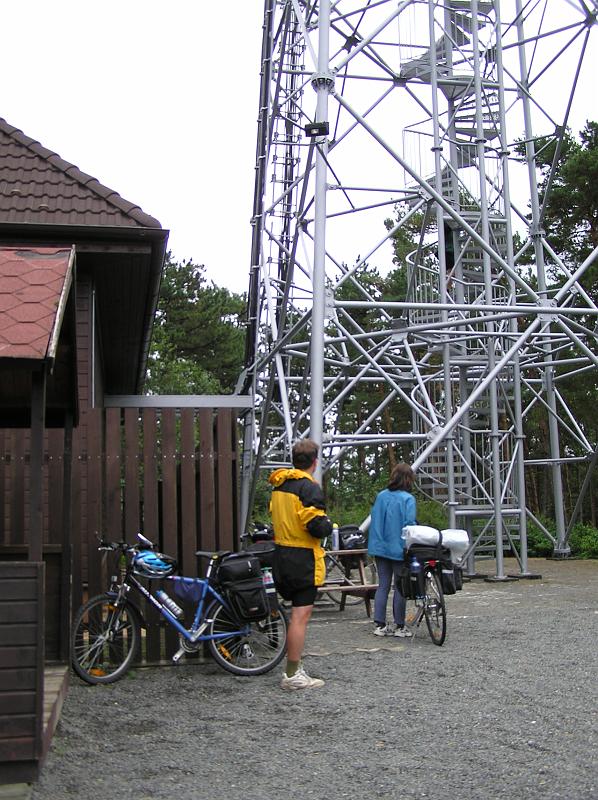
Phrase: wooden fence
{"type": "Point", "coordinates": [168, 472]}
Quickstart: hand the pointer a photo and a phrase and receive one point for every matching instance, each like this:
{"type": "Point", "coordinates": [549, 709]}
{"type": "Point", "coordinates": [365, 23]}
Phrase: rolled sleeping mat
{"type": "Point", "coordinates": [456, 540]}
{"type": "Point", "coordinates": [421, 534]}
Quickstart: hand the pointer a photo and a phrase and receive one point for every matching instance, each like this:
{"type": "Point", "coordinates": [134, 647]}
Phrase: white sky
{"type": "Point", "coordinates": [158, 101]}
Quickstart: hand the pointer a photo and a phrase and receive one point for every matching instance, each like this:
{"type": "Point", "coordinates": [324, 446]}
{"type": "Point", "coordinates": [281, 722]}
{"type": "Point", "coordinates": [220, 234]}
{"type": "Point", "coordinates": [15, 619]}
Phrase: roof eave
{"type": "Point", "coordinates": [74, 233]}
{"type": "Point", "coordinates": [64, 295]}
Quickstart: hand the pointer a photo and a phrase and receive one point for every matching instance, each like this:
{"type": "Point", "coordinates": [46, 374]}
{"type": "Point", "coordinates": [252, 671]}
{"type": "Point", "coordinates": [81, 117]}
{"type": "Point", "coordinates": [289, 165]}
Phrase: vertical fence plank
{"type": "Point", "coordinates": [207, 488]}
{"type": "Point", "coordinates": [187, 486]}
{"type": "Point", "coordinates": [132, 474]}
{"type": "Point", "coordinates": [151, 523]}
{"type": "Point", "coordinates": [169, 493]}
{"type": "Point", "coordinates": [151, 526]}
{"type": "Point", "coordinates": [96, 572]}
{"type": "Point", "coordinates": [55, 490]}
{"type": "Point", "coordinates": [66, 564]}
{"type": "Point", "coordinates": [114, 519]}
{"type": "Point", "coordinates": [76, 531]}
{"type": "Point", "coordinates": [169, 501]}
{"type": "Point", "coordinates": [224, 472]}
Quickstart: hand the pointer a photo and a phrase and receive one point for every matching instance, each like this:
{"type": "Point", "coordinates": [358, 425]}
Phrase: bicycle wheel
{"type": "Point", "coordinates": [256, 650]}
{"type": "Point", "coordinates": [336, 574]}
{"type": "Point", "coordinates": [434, 609]}
{"type": "Point", "coordinates": [105, 640]}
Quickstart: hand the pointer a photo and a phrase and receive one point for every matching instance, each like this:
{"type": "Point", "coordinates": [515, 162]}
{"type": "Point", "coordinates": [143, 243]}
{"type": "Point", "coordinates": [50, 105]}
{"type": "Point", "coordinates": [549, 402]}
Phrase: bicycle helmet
{"type": "Point", "coordinates": [153, 565]}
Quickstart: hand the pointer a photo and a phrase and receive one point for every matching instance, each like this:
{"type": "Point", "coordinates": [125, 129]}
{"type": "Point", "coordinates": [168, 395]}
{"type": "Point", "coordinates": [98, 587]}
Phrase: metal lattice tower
{"type": "Point", "coordinates": [410, 111]}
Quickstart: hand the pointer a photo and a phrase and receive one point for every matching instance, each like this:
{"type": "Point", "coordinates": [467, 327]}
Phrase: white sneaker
{"type": "Point", "coordinates": [383, 630]}
{"type": "Point", "coordinates": [403, 633]}
{"type": "Point", "coordinates": [300, 680]}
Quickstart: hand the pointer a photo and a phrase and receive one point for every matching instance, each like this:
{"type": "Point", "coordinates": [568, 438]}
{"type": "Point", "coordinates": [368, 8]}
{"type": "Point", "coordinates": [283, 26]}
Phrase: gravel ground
{"type": "Point", "coordinates": [507, 708]}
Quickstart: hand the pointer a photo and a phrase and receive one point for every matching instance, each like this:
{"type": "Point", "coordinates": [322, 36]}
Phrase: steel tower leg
{"type": "Point", "coordinates": [322, 83]}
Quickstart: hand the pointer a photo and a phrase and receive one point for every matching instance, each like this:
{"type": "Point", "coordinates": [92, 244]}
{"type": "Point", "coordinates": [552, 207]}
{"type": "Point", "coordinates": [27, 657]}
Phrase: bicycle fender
{"type": "Point", "coordinates": [134, 605]}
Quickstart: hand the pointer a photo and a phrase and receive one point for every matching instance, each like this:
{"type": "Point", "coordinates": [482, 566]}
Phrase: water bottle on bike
{"type": "Point", "coordinates": [270, 588]}
{"type": "Point", "coordinates": [416, 577]}
{"type": "Point", "coordinates": [169, 603]}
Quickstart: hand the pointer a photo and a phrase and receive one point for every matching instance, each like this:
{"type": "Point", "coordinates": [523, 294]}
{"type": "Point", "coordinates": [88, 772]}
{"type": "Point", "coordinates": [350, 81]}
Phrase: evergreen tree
{"type": "Point", "coordinates": [198, 336]}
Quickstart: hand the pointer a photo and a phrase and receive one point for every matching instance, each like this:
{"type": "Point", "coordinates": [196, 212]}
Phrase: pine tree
{"type": "Point", "coordinates": [198, 337]}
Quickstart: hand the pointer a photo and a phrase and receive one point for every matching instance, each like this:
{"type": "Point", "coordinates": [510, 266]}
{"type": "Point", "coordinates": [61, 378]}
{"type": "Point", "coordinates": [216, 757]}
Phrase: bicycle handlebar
{"type": "Point", "coordinates": [124, 546]}
{"type": "Point", "coordinates": [143, 544]}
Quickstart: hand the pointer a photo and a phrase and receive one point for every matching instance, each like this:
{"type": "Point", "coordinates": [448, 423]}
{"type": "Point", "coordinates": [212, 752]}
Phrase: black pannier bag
{"type": "Point", "coordinates": [447, 576]}
{"type": "Point", "coordinates": [445, 568]}
{"type": "Point", "coordinates": [240, 576]}
{"type": "Point", "coordinates": [404, 582]}
{"type": "Point", "coordinates": [238, 567]}
{"type": "Point", "coordinates": [427, 552]}
{"type": "Point", "coordinates": [248, 599]}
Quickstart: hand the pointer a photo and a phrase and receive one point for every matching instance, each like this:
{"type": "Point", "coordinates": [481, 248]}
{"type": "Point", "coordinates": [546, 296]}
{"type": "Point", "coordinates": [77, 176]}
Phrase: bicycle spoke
{"type": "Point", "coordinates": [434, 609]}
{"type": "Point", "coordinates": [249, 648]}
{"type": "Point", "coordinates": [105, 640]}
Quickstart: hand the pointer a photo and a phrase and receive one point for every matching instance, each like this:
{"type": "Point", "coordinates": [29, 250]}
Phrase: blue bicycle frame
{"type": "Point", "coordinates": [207, 595]}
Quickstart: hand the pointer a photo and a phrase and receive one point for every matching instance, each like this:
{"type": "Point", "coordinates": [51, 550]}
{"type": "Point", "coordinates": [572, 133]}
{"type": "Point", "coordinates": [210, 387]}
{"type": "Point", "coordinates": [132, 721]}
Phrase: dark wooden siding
{"type": "Point", "coordinates": [21, 662]}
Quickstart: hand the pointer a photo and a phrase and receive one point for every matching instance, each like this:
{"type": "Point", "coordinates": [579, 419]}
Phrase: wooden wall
{"type": "Point", "coordinates": [21, 668]}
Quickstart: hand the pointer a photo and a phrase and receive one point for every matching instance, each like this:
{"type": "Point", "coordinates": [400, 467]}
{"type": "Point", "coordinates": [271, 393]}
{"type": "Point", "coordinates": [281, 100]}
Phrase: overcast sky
{"type": "Point", "coordinates": [156, 100]}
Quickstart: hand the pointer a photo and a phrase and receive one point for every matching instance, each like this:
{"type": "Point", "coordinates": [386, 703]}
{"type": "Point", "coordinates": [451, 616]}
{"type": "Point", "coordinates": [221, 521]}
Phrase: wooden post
{"type": "Point", "coordinates": [67, 561]}
{"type": "Point", "coordinates": [38, 422]}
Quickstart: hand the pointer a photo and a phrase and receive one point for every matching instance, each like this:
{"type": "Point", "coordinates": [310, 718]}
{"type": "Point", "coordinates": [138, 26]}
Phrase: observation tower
{"type": "Point", "coordinates": [404, 138]}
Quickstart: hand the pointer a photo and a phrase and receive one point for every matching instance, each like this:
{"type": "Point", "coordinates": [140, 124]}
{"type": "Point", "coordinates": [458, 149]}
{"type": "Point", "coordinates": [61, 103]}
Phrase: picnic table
{"type": "Point", "coordinates": [355, 581]}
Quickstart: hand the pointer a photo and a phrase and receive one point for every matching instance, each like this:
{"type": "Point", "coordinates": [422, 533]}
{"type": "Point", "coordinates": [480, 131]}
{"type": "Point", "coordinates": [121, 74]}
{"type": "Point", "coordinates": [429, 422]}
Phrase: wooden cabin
{"type": "Point", "coordinates": [82, 453]}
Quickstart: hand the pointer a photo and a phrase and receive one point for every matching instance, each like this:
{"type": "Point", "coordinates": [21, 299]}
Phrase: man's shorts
{"type": "Point", "coordinates": [294, 572]}
{"type": "Point", "coordinates": [299, 597]}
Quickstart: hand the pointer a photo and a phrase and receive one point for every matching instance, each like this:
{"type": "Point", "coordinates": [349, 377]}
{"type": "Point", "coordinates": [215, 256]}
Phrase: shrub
{"type": "Point", "coordinates": [539, 545]}
{"type": "Point", "coordinates": [584, 541]}
{"type": "Point", "coordinates": [349, 515]}
{"type": "Point", "coordinates": [431, 513]}
{"type": "Point", "coordinates": [354, 510]}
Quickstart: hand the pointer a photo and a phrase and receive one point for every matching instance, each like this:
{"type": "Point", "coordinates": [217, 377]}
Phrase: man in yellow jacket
{"type": "Point", "coordinates": [300, 523]}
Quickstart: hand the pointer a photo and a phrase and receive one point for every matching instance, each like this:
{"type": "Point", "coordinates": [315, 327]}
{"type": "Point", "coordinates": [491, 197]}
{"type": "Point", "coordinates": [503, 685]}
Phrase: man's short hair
{"type": "Point", "coordinates": [305, 452]}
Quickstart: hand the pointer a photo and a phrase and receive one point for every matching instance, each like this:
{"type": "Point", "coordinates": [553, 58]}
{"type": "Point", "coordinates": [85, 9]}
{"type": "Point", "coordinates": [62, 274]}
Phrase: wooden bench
{"type": "Point", "coordinates": [351, 586]}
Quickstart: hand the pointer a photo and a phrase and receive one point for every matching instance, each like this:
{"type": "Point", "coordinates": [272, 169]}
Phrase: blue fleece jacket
{"type": "Point", "coordinates": [390, 513]}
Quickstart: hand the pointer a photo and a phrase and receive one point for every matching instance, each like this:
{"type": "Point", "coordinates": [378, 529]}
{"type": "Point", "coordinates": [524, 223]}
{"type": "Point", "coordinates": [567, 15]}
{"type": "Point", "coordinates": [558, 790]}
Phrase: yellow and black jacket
{"type": "Point", "coordinates": [300, 522]}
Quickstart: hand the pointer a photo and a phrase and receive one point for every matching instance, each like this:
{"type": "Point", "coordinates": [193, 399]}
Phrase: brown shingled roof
{"type": "Point", "coordinates": [33, 287]}
{"type": "Point", "coordinates": [38, 186]}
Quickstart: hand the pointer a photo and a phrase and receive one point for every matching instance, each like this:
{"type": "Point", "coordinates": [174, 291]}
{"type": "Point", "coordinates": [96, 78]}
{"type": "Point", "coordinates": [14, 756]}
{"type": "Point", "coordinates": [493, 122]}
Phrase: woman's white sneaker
{"type": "Point", "coordinates": [384, 630]}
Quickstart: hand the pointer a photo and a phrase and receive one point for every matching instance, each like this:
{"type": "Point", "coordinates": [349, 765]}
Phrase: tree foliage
{"type": "Point", "coordinates": [569, 194]}
{"type": "Point", "coordinates": [198, 337]}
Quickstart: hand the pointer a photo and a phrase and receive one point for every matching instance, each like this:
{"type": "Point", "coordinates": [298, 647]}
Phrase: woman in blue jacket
{"type": "Point", "coordinates": [393, 508]}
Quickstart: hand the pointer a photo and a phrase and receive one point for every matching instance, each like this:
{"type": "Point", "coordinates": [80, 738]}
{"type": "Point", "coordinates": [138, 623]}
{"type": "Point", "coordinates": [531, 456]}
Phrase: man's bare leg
{"type": "Point", "coordinates": [300, 616]}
